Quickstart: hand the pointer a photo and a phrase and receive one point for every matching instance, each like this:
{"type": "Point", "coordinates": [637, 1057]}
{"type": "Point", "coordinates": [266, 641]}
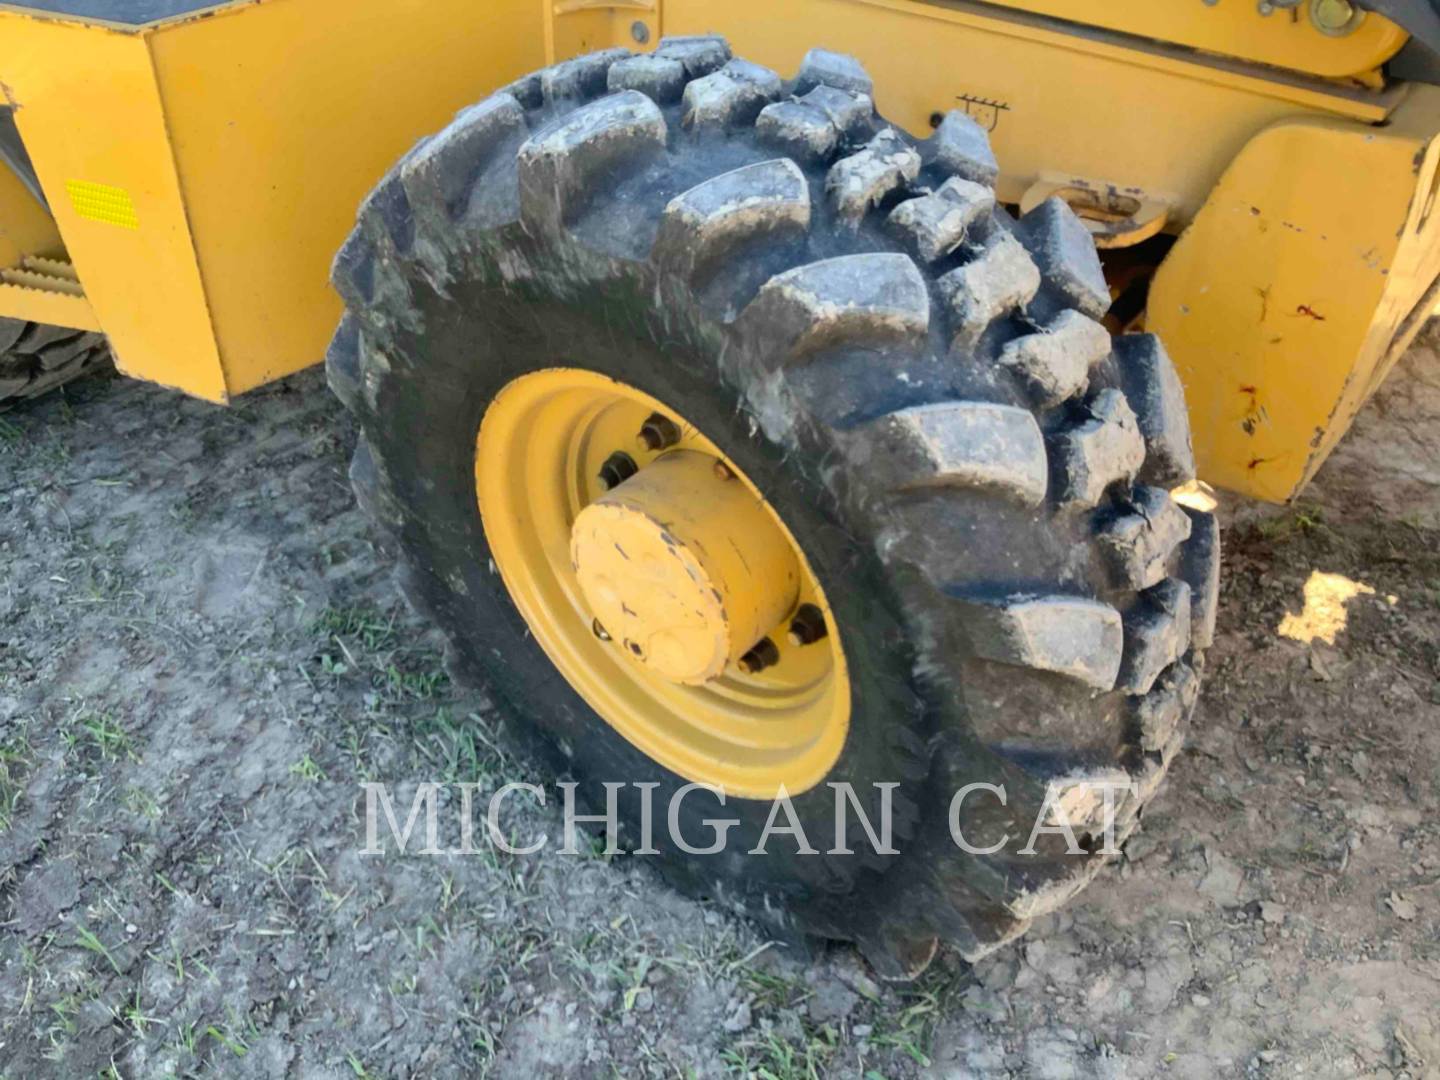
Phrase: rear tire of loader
{"type": "Point", "coordinates": [916, 382]}
{"type": "Point", "coordinates": [35, 358]}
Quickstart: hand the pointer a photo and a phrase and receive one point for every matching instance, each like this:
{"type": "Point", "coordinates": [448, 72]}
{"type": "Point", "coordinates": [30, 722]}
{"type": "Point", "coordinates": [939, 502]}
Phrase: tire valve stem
{"type": "Point", "coordinates": [764, 654]}
{"type": "Point", "coordinates": [722, 471]}
{"type": "Point", "coordinates": [599, 631]}
{"type": "Point", "coordinates": [808, 626]}
{"type": "Point", "coordinates": [618, 468]}
{"type": "Point", "coordinates": [658, 433]}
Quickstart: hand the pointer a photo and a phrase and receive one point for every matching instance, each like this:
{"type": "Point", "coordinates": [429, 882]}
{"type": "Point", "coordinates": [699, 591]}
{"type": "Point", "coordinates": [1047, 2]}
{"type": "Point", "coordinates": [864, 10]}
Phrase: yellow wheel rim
{"type": "Point", "coordinates": [685, 560]}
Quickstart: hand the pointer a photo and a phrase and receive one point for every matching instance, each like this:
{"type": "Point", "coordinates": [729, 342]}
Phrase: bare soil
{"type": "Point", "coordinates": [202, 658]}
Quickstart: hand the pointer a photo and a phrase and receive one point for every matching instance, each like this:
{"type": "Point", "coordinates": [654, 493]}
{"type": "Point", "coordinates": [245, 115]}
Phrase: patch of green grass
{"type": "Point", "coordinates": [1303, 518]}
{"type": "Point", "coordinates": [14, 758]}
{"type": "Point", "coordinates": [86, 939]}
{"type": "Point", "coordinates": [139, 801]}
{"type": "Point", "coordinates": [770, 1056]}
{"type": "Point", "coordinates": [100, 732]}
{"type": "Point", "coordinates": [229, 1039]}
{"type": "Point", "coordinates": [306, 769]}
{"type": "Point", "coordinates": [373, 630]}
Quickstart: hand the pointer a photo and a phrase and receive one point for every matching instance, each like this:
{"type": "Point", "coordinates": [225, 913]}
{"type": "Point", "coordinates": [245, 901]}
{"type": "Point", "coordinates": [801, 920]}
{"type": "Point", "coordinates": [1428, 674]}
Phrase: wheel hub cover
{"type": "Point", "coordinates": [683, 568]}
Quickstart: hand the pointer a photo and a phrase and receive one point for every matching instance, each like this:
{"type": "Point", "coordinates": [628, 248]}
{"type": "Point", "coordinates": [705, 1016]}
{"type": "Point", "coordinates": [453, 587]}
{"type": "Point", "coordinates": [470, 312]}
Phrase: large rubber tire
{"type": "Point", "coordinates": [35, 358]}
{"type": "Point", "coordinates": [916, 381]}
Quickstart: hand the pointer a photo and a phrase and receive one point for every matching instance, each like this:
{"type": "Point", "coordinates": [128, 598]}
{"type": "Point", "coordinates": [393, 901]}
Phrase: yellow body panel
{"type": "Point", "coordinates": [90, 113]}
{"type": "Point", "coordinates": [26, 227]}
{"type": "Point", "coordinates": [204, 170]}
{"type": "Point", "coordinates": [273, 157]}
{"type": "Point", "coordinates": [1286, 39]}
{"type": "Point", "coordinates": [1294, 290]}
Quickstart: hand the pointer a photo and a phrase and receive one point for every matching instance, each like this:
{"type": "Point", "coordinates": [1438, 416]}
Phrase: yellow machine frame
{"type": "Point", "coordinates": [202, 170]}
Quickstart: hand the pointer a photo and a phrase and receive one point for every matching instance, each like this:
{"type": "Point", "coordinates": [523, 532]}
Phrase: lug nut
{"type": "Point", "coordinates": [808, 626]}
{"type": "Point", "coordinates": [599, 631]}
{"type": "Point", "coordinates": [765, 654]}
{"type": "Point", "coordinates": [618, 468]}
{"type": "Point", "coordinates": [658, 433]}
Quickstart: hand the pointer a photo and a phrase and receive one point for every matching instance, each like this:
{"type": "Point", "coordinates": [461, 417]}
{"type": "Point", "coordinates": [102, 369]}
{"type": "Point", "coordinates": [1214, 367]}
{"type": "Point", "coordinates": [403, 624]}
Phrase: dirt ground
{"type": "Point", "coordinates": [202, 657]}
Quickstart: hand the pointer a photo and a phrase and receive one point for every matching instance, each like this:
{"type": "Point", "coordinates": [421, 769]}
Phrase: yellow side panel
{"type": "Point", "coordinates": [1286, 39]}
{"type": "Point", "coordinates": [1054, 103]}
{"type": "Point", "coordinates": [283, 115]}
{"type": "Point", "coordinates": [1282, 303]}
{"type": "Point", "coordinates": [26, 227]}
{"type": "Point", "coordinates": [90, 113]}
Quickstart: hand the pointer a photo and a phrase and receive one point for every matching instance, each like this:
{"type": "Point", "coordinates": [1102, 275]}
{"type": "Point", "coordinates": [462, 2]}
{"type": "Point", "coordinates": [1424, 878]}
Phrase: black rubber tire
{"type": "Point", "coordinates": [35, 358]}
{"type": "Point", "coordinates": [979, 478]}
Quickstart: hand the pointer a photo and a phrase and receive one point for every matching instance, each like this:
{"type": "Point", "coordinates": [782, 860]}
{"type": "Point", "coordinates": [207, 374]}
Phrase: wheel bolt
{"type": "Point", "coordinates": [618, 468]}
{"type": "Point", "coordinates": [599, 631]}
{"type": "Point", "coordinates": [808, 626]}
{"type": "Point", "coordinates": [658, 433]}
{"type": "Point", "coordinates": [763, 655]}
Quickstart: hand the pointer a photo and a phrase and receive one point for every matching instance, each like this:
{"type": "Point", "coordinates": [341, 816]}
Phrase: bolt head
{"type": "Point", "coordinates": [1334, 16]}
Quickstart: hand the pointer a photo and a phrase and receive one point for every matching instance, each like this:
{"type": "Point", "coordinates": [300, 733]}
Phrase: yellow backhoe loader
{"type": "Point", "coordinates": [819, 389]}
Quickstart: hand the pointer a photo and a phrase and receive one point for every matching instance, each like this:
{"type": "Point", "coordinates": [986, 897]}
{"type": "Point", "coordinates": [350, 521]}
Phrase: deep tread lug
{"type": "Point", "coordinates": [1156, 394]}
{"type": "Point", "coordinates": [1066, 255]}
{"type": "Point", "coordinates": [59, 353]}
{"type": "Point", "coordinates": [1139, 545]}
{"type": "Point", "coordinates": [869, 298]}
{"type": "Point", "coordinates": [852, 114]}
{"type": "Point", "coordinates": [353, 271]}
{"type": "Point", "coordinates": [1000, 280]}
{"type": "Point", "coordinates": [1200, 569]}
{"type": "Point", "coordinates": [1073, 636]}
{"type": "Point", "coordinates": [732, 96]}
{"type": "Point", "coordinates": [1056, 360]}
{"type": "Point", "coordinates": [657, 77]}
{"type": "Point", "coordinates": [821, 67]}
{"type": "Point", "coordinates": [962, 444]}
{"type": "Point", "coordinates": [1105, 449]}
{"type": "Point", "coordinates": [580, 78]}
{"type": "Point", "coordinates": [525, 90]}
{"type": "Point", "coordinates": [799, 130]}
{"type": "Point", "coordinates": [934, 225]}
{"type": "Point", "coordinates": [1160, 713]}
{"type": "Point", "coordinates": [860, 181]}
{"type": "Point", "coordinates": [441, 174]}
{"type": "Point", "coordinates": [1157, 633]}
{"type": "Point", "coordinates": [11, 331]}
{"type": "Point", "coordinates": [962, 148]}
{"type": "Point", "coordinates": [558, 163]}
{"type": "Point", "coordinates": [703, 224]}
{"type": "Point", "coordinates": [342, 363]}
{"type": "Point", "coordinates": [701, 54]}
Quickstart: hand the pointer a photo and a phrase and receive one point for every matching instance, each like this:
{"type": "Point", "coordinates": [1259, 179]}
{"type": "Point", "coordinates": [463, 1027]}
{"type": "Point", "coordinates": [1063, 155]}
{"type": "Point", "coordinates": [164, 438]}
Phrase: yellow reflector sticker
{"type": "Point", "coordinates": [102, 202]}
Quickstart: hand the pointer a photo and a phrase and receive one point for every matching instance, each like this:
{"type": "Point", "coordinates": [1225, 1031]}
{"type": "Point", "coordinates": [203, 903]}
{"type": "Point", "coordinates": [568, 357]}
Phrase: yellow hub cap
{"type": "Point", "coordinates": [684, 566]}
{"type": "Point", "coordinates": [669, 594]}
